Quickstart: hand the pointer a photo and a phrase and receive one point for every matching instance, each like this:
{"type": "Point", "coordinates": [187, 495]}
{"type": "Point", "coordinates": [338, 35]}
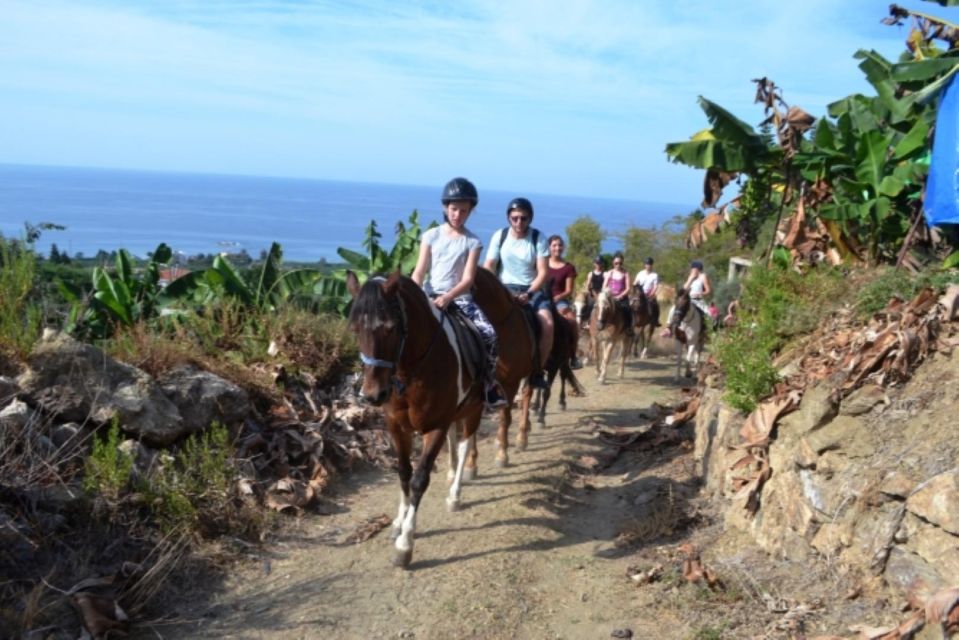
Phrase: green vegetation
{"type": "Point", "coordinates": [108, 469]}
{"type": "Point", "coordinates": [776, 305]}
{"type": "Point", "coordinates": [20, 321]}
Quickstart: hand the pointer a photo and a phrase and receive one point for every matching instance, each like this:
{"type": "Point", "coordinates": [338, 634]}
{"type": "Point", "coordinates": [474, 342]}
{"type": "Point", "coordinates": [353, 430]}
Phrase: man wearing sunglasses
{"type": "Point", "coordinates": [520, 255]}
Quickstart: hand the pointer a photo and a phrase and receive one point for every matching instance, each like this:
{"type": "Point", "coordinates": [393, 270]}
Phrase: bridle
{"type": "Point", "coordinates": [370, 361]}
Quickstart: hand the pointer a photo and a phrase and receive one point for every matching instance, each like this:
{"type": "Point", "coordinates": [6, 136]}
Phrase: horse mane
{"type": "Point", "coordinates": [376, 304]}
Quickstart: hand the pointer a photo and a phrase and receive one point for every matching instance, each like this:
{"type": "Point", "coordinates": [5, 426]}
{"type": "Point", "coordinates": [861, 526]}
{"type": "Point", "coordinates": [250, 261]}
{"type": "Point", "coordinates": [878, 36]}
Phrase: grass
{"type": "Point", "coordinates": [890, 283]}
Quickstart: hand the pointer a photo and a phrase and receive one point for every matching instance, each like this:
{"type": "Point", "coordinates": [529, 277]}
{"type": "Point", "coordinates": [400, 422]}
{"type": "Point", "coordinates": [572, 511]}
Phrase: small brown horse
{"type": "Point", "coordinates": [607, 328]}
{"type": "Point", "coordinates": [413, 368]}
{"type": "Point", "coordinates": [644, 322]}
{"type": "Point", "coordinates": [517, 352]}
{"type": "Point", "coordinates": [564, 348]}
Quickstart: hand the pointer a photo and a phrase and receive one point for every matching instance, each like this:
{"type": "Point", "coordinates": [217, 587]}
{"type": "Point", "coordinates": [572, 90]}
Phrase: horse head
{"type": "Point", "coordinates": [680, 309]}
{"type": "Point", "coordinates": [379, 322]}
{"type": "Point", "coordinates": [580, 303]}
{"type": "Point", "coordinates": [603, 309]}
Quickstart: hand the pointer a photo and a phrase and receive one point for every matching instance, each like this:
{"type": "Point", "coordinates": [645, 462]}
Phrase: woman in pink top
{"type": "Point", "coordinates": [619, 285]}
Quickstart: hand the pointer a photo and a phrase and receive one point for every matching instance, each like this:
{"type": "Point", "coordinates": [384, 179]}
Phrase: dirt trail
{"type": "Point", "coordinates": [531, 554]}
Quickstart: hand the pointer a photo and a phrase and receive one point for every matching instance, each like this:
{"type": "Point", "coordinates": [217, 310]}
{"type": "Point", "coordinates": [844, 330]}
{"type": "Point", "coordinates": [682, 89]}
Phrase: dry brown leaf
{"type": "Point", "coordinates": [372, 526]}
{"type": "Point", "coordinates": [943, 609]}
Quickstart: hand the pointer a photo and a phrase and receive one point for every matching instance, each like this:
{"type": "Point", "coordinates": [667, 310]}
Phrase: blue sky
{"type": "Point", "coordinates": [566, 97]}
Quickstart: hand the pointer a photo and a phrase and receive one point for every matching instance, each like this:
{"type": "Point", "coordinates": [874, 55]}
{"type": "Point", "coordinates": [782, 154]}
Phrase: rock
{"type": "Point", "coordinates": [203, 397]}
{"type": "Point", "coordinates": [897, 483]}
{"type": "Point", "coordinates": [69, 436]}
{"type": "Point", "coordinates": [143, 456]}
{"type": "Point", "coordinates": [8, 389]}
{"type": "Point", "coordinates": [863, 400]}
{"type": "Point", "coordinates": [816, 409]}
{"type": "Point", "coordinates": [937, 501]}
{"type": "Point", "coordinates": [16, 416]}
{"type": "Point", "coordinates": [934, 545]}
{"type": "Point", "coordinates": [908, 573]}
{"type": "Point", "coordinates": [848, 434]}
{"type": "Point", "coordinates": [76, 381]}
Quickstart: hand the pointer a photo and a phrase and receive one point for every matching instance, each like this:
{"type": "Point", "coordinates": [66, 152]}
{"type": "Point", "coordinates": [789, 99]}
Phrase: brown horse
{"type": "Point", "coordinates": [565, 341]}
{"type": "Point", "coordinates": [607, 328]}
{"type": "Point", "coordinates": [644, 322]}
{"type": "Point", "coordinates": [517, 353]}
{"type": "Point", "coordinates": [413, 368]}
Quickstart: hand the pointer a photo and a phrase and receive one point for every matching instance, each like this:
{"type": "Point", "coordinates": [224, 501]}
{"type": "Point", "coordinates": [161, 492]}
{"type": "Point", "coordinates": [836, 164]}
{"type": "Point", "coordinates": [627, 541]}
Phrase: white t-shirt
{"type": "Point", "coordinates": [647, 280]}
{"type": "Point", "coordinates": [449, 254]}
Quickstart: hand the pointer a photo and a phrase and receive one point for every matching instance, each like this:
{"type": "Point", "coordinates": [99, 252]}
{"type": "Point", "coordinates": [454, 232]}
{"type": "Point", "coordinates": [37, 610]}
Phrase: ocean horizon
{"type": "Point", "coordinates": [197, 213]}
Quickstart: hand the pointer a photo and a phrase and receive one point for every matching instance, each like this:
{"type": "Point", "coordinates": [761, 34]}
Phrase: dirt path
{"type": "Point", "coordinates": [532, 553]}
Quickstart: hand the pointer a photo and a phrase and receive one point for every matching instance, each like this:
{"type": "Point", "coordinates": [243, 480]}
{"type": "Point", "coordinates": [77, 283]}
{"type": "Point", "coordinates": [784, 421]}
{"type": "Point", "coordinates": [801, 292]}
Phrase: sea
{"type": "Point", "coordinates": [194, 214]}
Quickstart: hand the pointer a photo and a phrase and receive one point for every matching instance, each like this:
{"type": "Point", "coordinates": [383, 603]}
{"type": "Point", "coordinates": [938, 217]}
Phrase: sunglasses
{"type": "Point", "coordinates": [617, 262]}
{"type": "Point", "coordinates": [519, 218]}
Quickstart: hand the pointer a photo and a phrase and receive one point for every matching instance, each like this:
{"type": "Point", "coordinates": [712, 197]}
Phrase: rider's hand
{"type": "Point", "coordinates": [441, 301]}
{"type": "Point", "coordinates": [523, 298]}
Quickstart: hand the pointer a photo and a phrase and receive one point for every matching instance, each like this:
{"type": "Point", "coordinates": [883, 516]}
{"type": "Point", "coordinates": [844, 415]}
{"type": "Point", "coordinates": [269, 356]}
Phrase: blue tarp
{"type": "Point", "coordinates": [942, 188]}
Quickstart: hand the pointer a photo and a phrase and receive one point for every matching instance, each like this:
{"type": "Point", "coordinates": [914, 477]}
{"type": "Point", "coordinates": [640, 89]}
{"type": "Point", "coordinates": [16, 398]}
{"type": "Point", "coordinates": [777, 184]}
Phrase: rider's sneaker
{"type": "Point", "coordinates": [538, 381]}
{"type": "Point", "coordinates": [494, 399]}
{"type": "Point", "coordinates": [575, 363]}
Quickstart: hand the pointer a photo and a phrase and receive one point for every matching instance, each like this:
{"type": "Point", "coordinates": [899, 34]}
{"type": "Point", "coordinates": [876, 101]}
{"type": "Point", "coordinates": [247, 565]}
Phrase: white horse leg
{"type": "Point", "coordinates": [453, 500]}
{"type": "Point", "coordinates": [690, 353]}
{"type": "Point", "coordinates": [451, 445]}
{"type": "Point", "coordinates": [398, 522]}
{"type": "Point", "coordinates": [404, 542]}
{"type": "Point", "coordinates": [607, 353]}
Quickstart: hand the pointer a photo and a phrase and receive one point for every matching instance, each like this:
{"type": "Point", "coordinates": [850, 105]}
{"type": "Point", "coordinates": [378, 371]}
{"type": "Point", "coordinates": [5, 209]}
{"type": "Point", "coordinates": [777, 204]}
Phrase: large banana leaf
{"type": "Point", "coordinates": [878, 71]}
{"type": "Point", "coordinates": [114, 295]}
{"type": "Point", "coordinates": [270, 274]}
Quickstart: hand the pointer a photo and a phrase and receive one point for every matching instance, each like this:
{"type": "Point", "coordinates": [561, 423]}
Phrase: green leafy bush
{"type": "Point", "coordinates": [776, 304]}
{"type": "Point", "coordinates": [20, 316]}
{"type": "Point", "coordinates": [108, 469]}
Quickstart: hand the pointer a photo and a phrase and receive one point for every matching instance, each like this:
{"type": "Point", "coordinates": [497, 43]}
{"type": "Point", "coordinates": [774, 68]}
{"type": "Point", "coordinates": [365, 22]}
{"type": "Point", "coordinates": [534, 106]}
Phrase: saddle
{"type": "Point", "coordinates": [469, 340]}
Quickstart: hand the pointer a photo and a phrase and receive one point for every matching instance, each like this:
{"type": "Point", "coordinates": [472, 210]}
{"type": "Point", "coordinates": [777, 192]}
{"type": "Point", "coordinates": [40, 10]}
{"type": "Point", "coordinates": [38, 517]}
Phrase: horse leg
{"type": "Point", "coordinates": [522, 439]}
{"type": "Point", "coordinates": [537, 399]}
{"type": "Point", "coordinates": [690, 354]}
{"type": "Point", "coordinates": [432, 443]}
{"type": "Point", "coordinates": [502, 435]}
{"type": "Point", "coordinates": [679, 358]}
{"type": "Point", "coordinates": [562, 386]}
{"type": "Point", "coordinates": [454, 454]}
{"type": "Point", "coordinates": [469, 426]}
{"type": "Point", "coordinates": [607, 353]}
{"type": "Point", "coordinates": [471, 470]}
{"type": "Point", "coordinates": [403, 442]}
{"type": "Point", "coordinates": [545, 396]}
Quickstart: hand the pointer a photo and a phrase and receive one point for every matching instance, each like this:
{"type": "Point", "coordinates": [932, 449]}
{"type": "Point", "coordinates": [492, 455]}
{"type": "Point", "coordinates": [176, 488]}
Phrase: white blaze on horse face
{"type": "Point", "coordinates": [461, 388]}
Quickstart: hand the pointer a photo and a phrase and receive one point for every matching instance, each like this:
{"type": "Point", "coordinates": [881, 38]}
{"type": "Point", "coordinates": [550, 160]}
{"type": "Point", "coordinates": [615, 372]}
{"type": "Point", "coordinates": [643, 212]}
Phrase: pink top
{"type": "Point", "coordinates": [616, 285]}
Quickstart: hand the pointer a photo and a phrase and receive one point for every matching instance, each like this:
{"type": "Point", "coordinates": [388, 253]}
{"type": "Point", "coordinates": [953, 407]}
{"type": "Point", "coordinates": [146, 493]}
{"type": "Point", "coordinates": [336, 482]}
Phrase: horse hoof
{"type": "Point", "coordinates": [469, 474]}
{"type": "Point", "coordinates": [452, 505]}
{"type": "Point", "coordinates": [521, 444]}
{"type": "Point", "coordinates": [395, 533]}
{"type": "Point", "coordinates": [541, 421]}
{"type": "Point", "coordinates": [502, 463]}
{"type": "Point", "coordinates": [562, 406]}
{"type": "Point", "coordinates": [402, 559]}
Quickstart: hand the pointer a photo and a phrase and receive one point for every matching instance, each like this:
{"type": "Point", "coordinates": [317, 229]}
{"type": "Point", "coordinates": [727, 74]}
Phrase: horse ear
{"type": "Point", "coordinates": [393, 281]}
{"type": "Point", "coordinates": [352, 284]}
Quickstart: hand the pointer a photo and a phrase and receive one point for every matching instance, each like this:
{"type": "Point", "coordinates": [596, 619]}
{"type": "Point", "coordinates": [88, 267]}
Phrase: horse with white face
{"type": "Point", "coordinates": [685, 322]}
{"type": "Point", "coordinates": [607, 329]}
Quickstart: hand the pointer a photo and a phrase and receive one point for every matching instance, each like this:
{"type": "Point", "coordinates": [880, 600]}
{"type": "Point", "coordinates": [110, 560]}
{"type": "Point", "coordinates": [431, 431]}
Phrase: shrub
{"type": "Point", "coordinates": [776, 304]}
{"type": "Point", "coordinates": [20, 316]}
{"type": "Point", "coordinates": [108, 469]}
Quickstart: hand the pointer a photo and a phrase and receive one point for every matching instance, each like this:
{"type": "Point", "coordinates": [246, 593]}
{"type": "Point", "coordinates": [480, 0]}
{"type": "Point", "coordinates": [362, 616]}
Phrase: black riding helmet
{"type": "Point", "coordinates": [460, 189]}
{"type": "Point", "coordinates": [648, 261]}
{"type": "Point", "coordinates": [522, 204]}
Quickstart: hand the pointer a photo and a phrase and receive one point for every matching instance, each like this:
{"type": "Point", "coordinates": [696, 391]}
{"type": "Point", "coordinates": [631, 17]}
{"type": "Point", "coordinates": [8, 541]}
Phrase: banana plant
{"type": "Point", "coordinates": [119, 298]}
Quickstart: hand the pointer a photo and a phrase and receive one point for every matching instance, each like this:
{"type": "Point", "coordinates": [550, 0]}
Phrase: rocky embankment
{"type": "Point", "coordinates": [855, 460]}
